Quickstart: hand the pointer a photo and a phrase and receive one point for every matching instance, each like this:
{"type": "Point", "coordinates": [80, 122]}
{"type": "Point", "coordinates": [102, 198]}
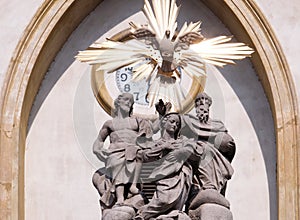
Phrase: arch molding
{"type": "Point", "coordinates": [48, 31]}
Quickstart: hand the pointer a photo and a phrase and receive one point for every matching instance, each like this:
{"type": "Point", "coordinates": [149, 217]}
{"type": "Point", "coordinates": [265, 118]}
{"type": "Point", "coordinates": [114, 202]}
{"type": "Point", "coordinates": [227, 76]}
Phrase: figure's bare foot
{"type": "Point", "coordinates": [134, 190]}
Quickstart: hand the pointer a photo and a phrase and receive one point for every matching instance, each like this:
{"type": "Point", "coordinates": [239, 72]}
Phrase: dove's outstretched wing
{"type": "Point", "coordinates": [112, 55]}
{"type": "Point", "coordinates": [216, 51]}
{"type": "Point", "coordinates": [219, 52]}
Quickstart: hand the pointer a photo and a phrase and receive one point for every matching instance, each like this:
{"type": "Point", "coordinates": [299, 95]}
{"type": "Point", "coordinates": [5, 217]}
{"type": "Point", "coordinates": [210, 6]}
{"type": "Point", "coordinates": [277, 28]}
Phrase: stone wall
{"type": "Point", "coordinates": [58, 164]}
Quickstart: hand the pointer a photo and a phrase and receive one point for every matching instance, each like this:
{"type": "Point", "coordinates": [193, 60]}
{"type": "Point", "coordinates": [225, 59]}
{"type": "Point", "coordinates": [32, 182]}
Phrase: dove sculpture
{"type": "Point", "coordinates": [161, 54]}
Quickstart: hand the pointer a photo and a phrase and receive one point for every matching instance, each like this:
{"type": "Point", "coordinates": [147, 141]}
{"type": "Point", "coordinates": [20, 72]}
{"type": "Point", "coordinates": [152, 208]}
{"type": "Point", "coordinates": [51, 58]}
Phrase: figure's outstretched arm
{"type": "Point", "coordinates": [98, 149]}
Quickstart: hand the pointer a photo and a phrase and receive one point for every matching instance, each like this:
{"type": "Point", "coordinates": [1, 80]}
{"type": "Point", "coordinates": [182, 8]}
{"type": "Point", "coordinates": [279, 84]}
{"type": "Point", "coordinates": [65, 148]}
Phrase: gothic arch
{"type": "Point", "coordinates": [48, 31]}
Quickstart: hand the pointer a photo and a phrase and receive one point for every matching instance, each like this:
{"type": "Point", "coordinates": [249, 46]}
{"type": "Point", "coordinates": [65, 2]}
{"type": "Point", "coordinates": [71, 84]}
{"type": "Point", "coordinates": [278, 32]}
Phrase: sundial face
{"type": "Point", "coordinates": [125, 84]}
{"type": "Point", "coordinates": [107, 87]}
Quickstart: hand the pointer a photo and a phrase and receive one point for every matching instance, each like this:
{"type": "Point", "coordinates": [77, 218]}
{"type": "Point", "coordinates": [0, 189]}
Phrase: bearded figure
{"type": "Point", "coordinates": [214, 169]}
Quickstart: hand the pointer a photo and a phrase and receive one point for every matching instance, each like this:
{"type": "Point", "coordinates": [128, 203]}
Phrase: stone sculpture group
{"type": "Point", "coordinates": [188, 166]}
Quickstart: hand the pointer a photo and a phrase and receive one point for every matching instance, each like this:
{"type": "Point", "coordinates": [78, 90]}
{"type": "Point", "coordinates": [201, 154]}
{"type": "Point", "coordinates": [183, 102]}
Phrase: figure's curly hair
{"type": "Point", "coordinates": [164, 120]}
{"type": "Point", "coordinates": [117, 104]}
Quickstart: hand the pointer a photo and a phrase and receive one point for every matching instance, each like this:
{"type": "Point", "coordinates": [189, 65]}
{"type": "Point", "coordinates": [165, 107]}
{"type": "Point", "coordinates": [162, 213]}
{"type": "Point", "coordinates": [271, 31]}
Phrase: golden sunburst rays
{"type": "Point", "coordinates": [157, 51]}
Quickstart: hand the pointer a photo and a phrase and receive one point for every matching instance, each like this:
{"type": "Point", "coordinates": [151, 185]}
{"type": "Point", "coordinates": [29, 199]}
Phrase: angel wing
{"type": "Point", "coordinates": [112, 55]}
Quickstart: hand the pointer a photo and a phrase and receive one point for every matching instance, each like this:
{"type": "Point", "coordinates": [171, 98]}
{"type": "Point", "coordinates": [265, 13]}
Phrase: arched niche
{"type": "Point", "coordinates": [48, 31]}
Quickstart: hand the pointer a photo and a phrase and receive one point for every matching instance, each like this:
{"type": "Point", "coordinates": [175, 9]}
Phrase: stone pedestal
{"type": "Point", "coordinates": [211, 211]}
{"type": "Point", "coordinates": [118, 213]}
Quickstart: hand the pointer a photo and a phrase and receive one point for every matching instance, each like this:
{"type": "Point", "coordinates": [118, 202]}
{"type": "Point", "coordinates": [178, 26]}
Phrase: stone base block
{"type": "Point", "coordinates": [211, 211]}
{"type": "Point", "coordinates": [118, 213]}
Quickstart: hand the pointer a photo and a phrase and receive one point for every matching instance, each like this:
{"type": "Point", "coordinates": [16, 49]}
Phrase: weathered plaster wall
{"type": "Point", "coordinates": [283, 19]}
